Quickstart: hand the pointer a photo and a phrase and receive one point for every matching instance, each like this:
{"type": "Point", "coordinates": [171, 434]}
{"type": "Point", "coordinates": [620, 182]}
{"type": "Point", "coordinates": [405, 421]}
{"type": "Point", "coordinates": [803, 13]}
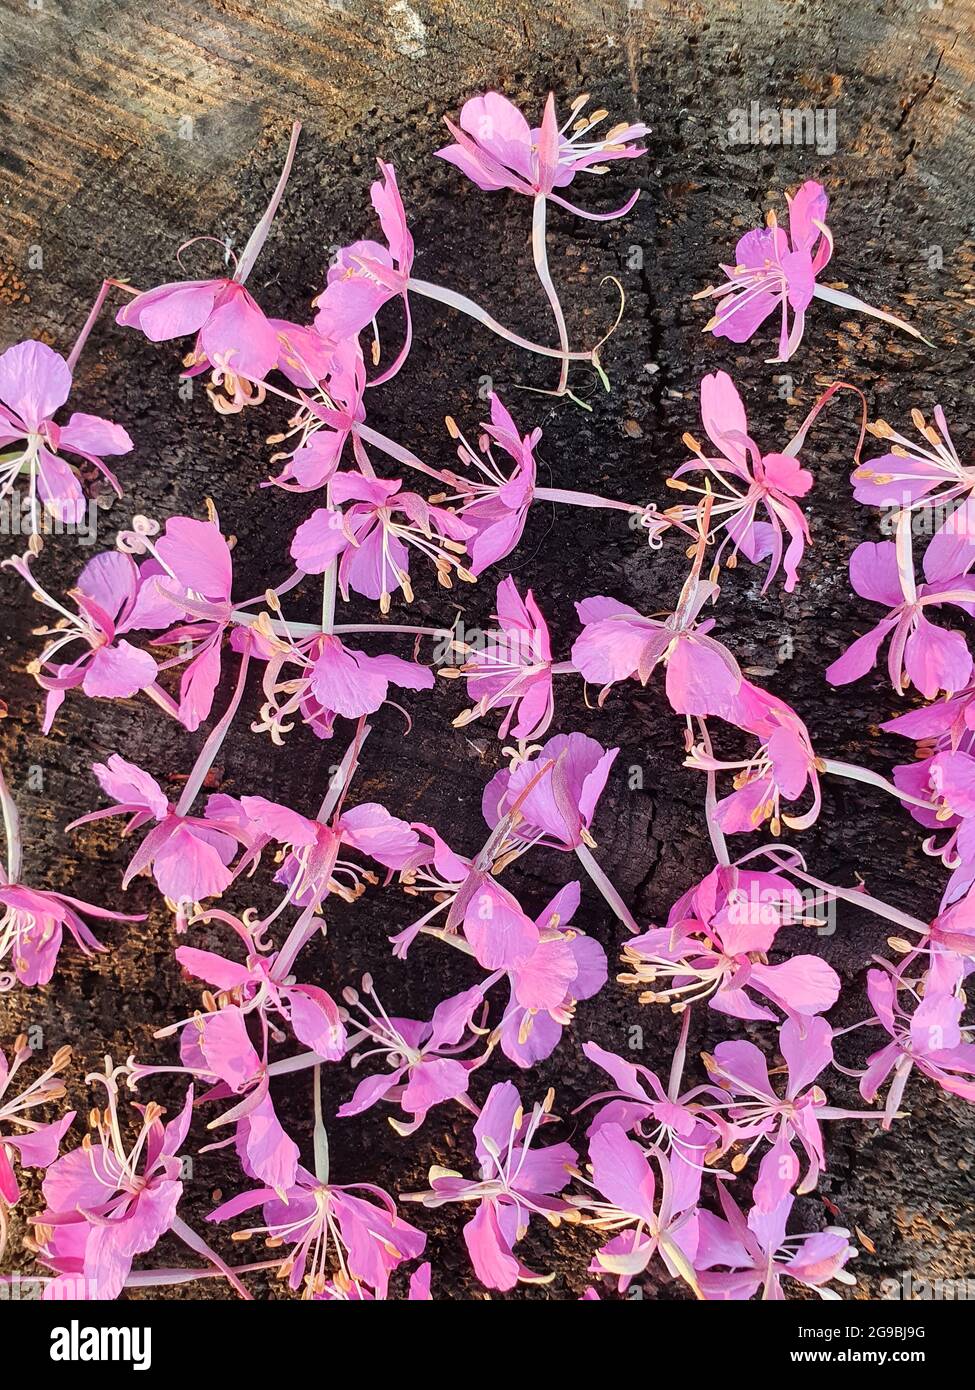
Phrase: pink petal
{"type": "Point", "coordinates": [34, 381]}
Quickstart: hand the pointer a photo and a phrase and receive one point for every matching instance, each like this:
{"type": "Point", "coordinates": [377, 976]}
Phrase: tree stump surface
{"type": "Point", "coordinates": [126, 131]}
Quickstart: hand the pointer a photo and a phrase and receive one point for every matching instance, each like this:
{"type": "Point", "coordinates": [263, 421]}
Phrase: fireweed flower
{"type": "Point", "coordinates": [108, 1201]}
{"type": "Point", "coordinates": [496, 499]}
{"type": "Point", "coordinates": [929, 1037]}
{"type": "Point", "coordinates": [189, 857]}
{"type": "Point", "coordinates": [920, 653]}
{"type": "Point", "coordinates": [758, 1114]}
{"type": "Point", "coordinates": [32, 920]}
{"type": "Point", "coordinates": [918, 476]}
{"type": "Point", "coordinates": [333, 680]}
{"type": "Point", "coordinates": [714, 948]}
{"type": "Point", "coordinates": [194, 562]}
{"type": "Point", "coordinates": [782, 767]}
{"type": "Point", "coordinates": [758, 1253]}
{"type": "Point", "coordinates": [496, 503]}
{"type": "Point", "coordinates": [618, 643]}
{"type": "Point", "coordinates": [676, 1123]}
{"type": "Point", "coordinates": [216, 1048]}
{"type": "Point", "coordinates": [626, 1202]}
{"type": "Point", "coordinates": [426, 1059]}
{"type": "Point", "coordinates": [110, 598]}
{"type": "Point", "coordinates": [513, 669]}
{"type": "Point", "coordinates": [35, 382]}
{"type": "Point", "coordinates": [190, 567]}
{"type": "Point", "coordinates": [748, 485]}
{"type": "Point", "coordinates": [496, 148]}
{"type": "Point", "coordinates": [516, 1182]}
{"type": "Point", "coordinates": [778, 270]}
{"type": "Point", "coordinates": [354, 1226]}
{"type": "Point", "coordinates": [481, 917]}
{"type": "Point", "coordinates": [234, 338]}
{"type": "Point", "coordinates": [365, 276]}
{"type": "Point", "coordinates": [559, 808]}
{"type": "Point", "coordinates": [372, 537]}
{"type": "Point", "coordinates": [556, 807]}
{"type": "Point", "coordinates": [323, 429]}
{"type": "Point", "coordinates": [311, 865]}
{"type": "Point", "coordinates": [257, 987]}
{"type": "Point", "coordinates": [23, 1140]}
{"type": "Point", "coordinates": [549, 971]}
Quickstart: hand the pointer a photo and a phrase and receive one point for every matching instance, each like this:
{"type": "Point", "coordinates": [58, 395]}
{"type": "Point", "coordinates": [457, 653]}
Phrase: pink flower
{"type": "Point", "coordinates": [559, 808]}
{"type": "Point", "coordinates": [918, 476]}
{"type": "Point", "coordinates": [232, 332]}
{"type": "Point", "coordinates": [920, 653]}
{"type": "Point", "coordinates": [930, 1037]}
{"type": "Point", "coordinates": [425, 1059]}
{"type": "Point", "coordinates": [334, 680]}
{"type": "Point", "coordinates": [782, 767]}
{"type": "Point", "coordinates": [23, 1140]}
{"type": "Point", "coordinates": [515, 1183]}
{"type": "Point", "coordinates": [496, 148]}
{"type": "Point", "coordinates": [778, 271]}
{"type": "Point", "coordinates": [513, 669]}
{"type": "Point", "coordinates": [750, 484]}
{"type": "Point", "coordinates": [195, 564]}
{"type": "Point", "coordinates": [257, 987]}
{"type": "Point", "coordinates": [627, 1203]}
{"type": "Point", "coordinates": [759, 1113]}
{"type": "Point", "coordinates": [35, 382]}
{"type": "Point", "coordinates": [233, 335]}
{"type": "Point", "coordinates": [314, 1218]}
{"type": "Point", "coordinates": [311, 864]}
{"type": "Point", "coordinates": [617, 643]}
{"type": "Point", "coordinates": [775, 270]}
{"type": "Point", "coordinates": [714, 947]}
{"type": "Point", "coordinates": [324, 430]}
{"type": "Point", "coordinates": [497, 507]}
{"type": "Point", "coordinates": [107, 1203]}
{"type": "Point", "coordinates": [372, 537]}
{"type": "Point", "coordinates": [365, 276]}
{"type": "Point", "coordinates": [759, 1254]}
{"type": "Point", "coordinates": [216, 1047]}
{"type": "Point", "coordinates": [549, 970]}
{"type": "Point", "coordinates": [111, 599]}
{"type": "Point", "coordinates": [189, 857]}
{"type": "Point", "coordinates": [32, 925]}
{"type": "Point", "coordinates": [679, 1125]}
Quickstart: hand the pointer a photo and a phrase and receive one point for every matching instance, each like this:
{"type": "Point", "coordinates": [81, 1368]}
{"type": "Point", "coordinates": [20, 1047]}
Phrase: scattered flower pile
{"type": "Point", "coordinates": [694, 1170]}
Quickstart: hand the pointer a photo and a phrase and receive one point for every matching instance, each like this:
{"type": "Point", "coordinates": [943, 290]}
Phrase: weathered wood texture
{"type": "Point", "coordinates": [93, 170]}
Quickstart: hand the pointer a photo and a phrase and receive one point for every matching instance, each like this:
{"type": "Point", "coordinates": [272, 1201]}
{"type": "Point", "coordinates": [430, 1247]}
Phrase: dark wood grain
{"type": "Point", "coordinates": [94, 171]}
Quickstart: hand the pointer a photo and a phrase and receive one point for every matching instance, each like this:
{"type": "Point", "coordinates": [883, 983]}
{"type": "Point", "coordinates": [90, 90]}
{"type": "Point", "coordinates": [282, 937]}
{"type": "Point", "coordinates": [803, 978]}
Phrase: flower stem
{"type": "Point", "coordinates": [395, 451]}
{"type": "Point", "coordinates": [258, 236]}
{"type": "Point", "coordinates": [463, 305]}
{"type": "Point", "coordinates": [540, 255]}
{"type": "Point", "coordinates": [606, 888]}
{"type": "Point", "coordinates": [197, 1244]}
{"type": "Point", "coordinates": [89, 324]}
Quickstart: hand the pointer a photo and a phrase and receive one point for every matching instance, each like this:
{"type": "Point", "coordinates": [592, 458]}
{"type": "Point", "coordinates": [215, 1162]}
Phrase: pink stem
{"type": "Point", "coordinates": [89, 324]}
{"type": "Point", "coordinates": [259, 235]}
